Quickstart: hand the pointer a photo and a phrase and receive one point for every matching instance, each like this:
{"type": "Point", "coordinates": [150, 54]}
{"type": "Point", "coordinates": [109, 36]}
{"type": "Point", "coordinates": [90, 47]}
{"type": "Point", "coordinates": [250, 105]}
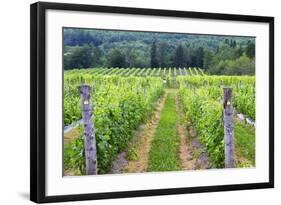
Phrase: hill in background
{"type": "Point", "coordinates": [88, 48]}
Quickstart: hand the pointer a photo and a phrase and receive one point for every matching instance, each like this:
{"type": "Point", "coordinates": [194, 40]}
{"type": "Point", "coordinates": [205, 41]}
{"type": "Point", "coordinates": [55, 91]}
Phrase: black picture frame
{"type": "Point", "coordinates": [38, 100]}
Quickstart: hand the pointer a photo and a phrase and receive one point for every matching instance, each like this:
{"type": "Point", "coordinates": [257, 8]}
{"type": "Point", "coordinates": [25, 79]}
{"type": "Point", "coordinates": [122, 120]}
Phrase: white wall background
{"type": "Point", "coordinates": [14, 103]}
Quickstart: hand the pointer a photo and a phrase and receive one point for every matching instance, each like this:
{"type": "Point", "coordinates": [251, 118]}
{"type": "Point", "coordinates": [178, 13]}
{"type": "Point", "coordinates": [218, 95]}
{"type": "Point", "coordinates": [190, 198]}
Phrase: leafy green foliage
{"type": "Point", "coordinates": [80, 57]}
{"type": "Point", "coordinates": [121, 102]}
{"type": "Point", "coordinates": [72, 110]}
{"type": "Point", "coordinates": [203, 107]}
{"type": "Point", "coordinates": [116, 59]}
{"type": "Point", "coordinates": [244, 100]}
{"type": "Point", "coordinates": [250, 49]}
{"type": "Point", "coordinates": [119, 106]}
{"type": "Point", "coordinates": [243, 90]}
{"type": "Point", "coordinates": [153, 56]}
{"type": "Point", "coordinates": [240, 66]}
{"type": "Point", "coordinates": [206, 116]}
{"type": "Point", "coordinates": [244, 138]}
{"type": "Point", "coordinates": [179, 57]}
{"type": "Point", "coordinates": [74, 155]}
{"type": "Point", "coordinates": [132, 154]}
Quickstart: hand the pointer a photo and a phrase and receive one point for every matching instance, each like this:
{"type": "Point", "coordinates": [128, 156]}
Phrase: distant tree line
{"type": "Point", "coordinates": [214, 54]}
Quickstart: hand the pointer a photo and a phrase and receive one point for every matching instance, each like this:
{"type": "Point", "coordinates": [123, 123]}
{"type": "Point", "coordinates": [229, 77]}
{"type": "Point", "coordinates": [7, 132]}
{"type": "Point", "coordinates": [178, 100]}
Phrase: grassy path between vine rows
{"type": "Point", "coordinates": [164, 152]}
{"type": "Point", "coordinates": [244, 139]}
{"type": "Point", "coordinates": [186, 151]}
{"type": "Point", "coordinates": [135, 158]}
{"type": "Point", "coordinates": [176, 145]}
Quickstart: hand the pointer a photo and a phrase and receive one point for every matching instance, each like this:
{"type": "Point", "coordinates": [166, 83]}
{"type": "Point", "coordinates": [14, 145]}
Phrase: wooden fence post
{"type": "Point", "coordinates": [89, 130]}
{"type": "Point", "coordinates": [228, 124]}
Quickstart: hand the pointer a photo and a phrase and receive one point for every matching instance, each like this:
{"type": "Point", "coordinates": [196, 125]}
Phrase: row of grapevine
{"type": "Point", "coordinates": [123, 98]}
{"type": "Point", "coordinates": [237, 81]}
{"type": "Point", "coordinates": [243, 89]}
{"type": "Point", "coordinates": [206, 116]}
{"type": "Point", "coordinates": [144, 72]}
{"type": "Point", "coordinates": [119, 106]}
{"type": "Point", "coordinates": [201, 99]}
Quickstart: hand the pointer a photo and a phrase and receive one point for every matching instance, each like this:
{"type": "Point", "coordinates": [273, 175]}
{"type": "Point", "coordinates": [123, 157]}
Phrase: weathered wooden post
{"type": "Point", "coordinates": [220, 83]}
{"type": "Point", "coordinates": [89, 130]}
{"type": "Point", "coordinates": [228, 124]}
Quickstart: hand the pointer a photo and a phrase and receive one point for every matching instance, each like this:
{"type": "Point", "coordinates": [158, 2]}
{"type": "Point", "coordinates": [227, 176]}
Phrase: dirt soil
{"type": "Point", "coordinates": [186, 155]}
{"type": "Point", "coordinates": [71, 135]}
{"type": "Point", "coordinates": [193, 155]}
{"type": "Point", "coordinates": [199, 151]}
{"type": "Point", "coordinates": [141, 144]}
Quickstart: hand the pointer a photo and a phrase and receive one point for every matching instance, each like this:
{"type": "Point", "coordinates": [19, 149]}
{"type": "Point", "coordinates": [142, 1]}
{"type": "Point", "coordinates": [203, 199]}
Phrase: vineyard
{"type": "Point", "coordinates": [143, 72]}
{"type": "Point", "coordinates": [157, 119]}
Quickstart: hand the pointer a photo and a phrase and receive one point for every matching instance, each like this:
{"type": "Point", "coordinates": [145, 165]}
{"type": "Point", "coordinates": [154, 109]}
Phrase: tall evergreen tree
{"type": "Point", "coordinates": [250, 49]}
{"type": "Point", "coordinates": [179, 57]}
{"type": "Point", "coordinates": [234, 44]}
{"type": "Point", "coordinates": [200, 57]}
{"type": "Point", "coordinates": [153, 56]}
{"type": "Point", "coordinates": [163, 54]}
{"type": "Point", "coordinates": [207, 60]}
{"type": "Point", "coordinates": [226, 41]}
{"type": "Point", "coordinates": [239, 52]}
{"type": "Point", "coordinates": [188, 59]}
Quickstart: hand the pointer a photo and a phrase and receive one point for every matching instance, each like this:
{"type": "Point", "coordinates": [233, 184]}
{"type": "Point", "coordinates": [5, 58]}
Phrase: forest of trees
{"type": "Point", "coordinates": [105, 48]}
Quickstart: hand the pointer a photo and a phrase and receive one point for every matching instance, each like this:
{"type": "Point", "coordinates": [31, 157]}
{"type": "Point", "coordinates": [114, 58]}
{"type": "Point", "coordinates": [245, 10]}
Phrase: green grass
{"type": "Point", "coordinates": [163, 155]}
{"type": "Point", "coordinates": [244, 138]}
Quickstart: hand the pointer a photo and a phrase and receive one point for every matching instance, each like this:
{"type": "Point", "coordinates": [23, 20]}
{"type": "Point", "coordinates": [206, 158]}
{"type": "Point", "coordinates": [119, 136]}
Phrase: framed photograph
{"type": "Point", "coordinates": [129, 102]}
